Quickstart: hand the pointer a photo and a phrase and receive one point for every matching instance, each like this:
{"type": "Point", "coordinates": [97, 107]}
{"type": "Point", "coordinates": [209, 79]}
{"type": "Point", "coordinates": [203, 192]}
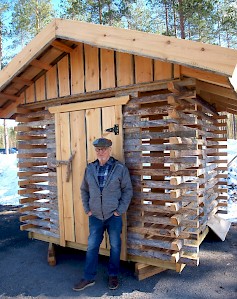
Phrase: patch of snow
{"type": "Point", "coordinates": [9, 180]}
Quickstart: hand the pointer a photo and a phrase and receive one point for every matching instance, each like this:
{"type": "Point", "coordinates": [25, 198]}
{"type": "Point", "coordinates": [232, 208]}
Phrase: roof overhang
{"type": "Point", "coordinates": [60, 35]}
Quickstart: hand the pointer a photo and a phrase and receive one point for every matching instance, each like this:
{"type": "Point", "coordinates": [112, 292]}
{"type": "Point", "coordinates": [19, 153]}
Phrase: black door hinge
{"type": "Point", "coordinates": [115, 129]}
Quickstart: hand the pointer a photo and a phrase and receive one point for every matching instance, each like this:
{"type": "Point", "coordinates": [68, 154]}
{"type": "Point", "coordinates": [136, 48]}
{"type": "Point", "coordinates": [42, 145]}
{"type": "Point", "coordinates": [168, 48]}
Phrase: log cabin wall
{"type": "Point", "coordinates": [172, 145]}
{"type": "Point", "coordinates": [37, 173]}
{"type": "Point", "coordinates": [176, 153]}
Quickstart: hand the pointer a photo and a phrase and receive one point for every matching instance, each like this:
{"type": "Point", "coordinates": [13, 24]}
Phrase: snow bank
{"type": "Point", "coordinates": [8, 180]}
{"type": "Point", "coordinates": [232, 181]}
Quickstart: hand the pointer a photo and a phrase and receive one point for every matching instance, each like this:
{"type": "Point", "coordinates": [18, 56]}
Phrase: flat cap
{"type": "Point", "coordinates": [102, 142]}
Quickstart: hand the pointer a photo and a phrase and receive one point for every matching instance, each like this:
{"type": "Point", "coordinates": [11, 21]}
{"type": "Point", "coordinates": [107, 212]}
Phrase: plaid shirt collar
{"type": "Point", "coordinates": [103, 171]}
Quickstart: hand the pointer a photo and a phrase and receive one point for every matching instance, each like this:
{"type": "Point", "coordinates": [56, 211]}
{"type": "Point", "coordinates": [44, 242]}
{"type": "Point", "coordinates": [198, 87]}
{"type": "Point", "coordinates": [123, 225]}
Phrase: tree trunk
{"type": "Point", "coordinates": [175, 25]}
{"type": "Point", "coordinates": [181, 19]}
{"type": "Point", "coordinates": [0, 45]}
{"type": "Point", "coordinates": [167, 19]}
{"type": "Point", "coordinates": [6, 140]}
{"type": "Point", "coordinates": [100, 12]}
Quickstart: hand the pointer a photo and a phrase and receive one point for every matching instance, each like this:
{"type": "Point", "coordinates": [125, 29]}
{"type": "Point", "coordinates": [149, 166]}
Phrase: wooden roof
{"type": "Point", "coordinates": [214, 67]}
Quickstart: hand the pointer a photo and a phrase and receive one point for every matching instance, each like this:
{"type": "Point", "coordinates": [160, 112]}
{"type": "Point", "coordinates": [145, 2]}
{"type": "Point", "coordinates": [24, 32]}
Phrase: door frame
{"type": "Point", "coordinates": [85, 105]}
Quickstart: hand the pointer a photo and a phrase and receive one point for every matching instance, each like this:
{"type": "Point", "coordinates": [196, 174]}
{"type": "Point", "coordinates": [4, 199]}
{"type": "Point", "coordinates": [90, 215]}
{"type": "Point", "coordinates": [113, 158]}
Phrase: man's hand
{"type": "Point", "coordinates": [116, 214]}
{"type": "Point", "coordinates": [89, 213]}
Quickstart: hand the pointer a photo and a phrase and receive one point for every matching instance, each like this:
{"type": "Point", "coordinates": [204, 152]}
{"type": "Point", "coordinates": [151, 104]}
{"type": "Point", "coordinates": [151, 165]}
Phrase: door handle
{"type": "Point", "coordinates": [69, 165]}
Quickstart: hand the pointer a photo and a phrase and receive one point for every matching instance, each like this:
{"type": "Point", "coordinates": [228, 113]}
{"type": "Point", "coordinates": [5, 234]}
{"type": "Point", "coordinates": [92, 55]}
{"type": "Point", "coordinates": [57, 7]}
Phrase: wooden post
{"type": "Point", "coordinates": [51, 255]}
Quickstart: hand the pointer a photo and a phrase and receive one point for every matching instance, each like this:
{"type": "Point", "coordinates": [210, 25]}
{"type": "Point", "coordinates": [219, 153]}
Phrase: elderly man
{"type": "Point", "coordinates": [106, 192]}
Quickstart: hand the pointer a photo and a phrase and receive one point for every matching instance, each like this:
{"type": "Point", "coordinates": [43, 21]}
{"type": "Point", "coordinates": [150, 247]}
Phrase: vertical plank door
{"type": "Point", "coordinates": [77, 126]}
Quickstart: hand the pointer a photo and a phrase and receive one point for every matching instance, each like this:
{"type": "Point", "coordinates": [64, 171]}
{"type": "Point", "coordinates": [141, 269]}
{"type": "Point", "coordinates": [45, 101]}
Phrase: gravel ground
{"type": "Point", "coordinates": [24, 272]}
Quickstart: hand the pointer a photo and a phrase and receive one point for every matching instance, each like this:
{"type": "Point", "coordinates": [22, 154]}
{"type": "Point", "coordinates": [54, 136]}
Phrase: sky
{"type": "Point", "coordinates": [9, 123]}
{"type": "Point", "coordinates": [56, 3]}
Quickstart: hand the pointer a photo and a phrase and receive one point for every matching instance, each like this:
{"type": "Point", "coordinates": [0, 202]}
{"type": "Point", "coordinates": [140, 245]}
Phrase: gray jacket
{"type": "Point", "coordinates": [116, 194]}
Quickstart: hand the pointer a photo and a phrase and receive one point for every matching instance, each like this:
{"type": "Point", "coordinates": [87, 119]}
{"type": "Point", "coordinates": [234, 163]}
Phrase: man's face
{"type": "Point", "coordinates": [103, 154]}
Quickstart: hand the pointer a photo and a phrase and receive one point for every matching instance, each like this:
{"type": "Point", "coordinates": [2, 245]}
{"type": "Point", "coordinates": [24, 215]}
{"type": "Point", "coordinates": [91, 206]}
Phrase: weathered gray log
{"type": "Point", "coordinates": [160, 97]}
{"type": "Point", "coordinates": [161, 147]}
{"type": "Point", "coordinates": [44, 232]}
{"type": "Point", "coordinates": [146, 111]}
{"type": "Point", "coordinates": [40, 187]}
{"type": "Point", "coordinates": [150, 253]}
{"type": "Point", "coordinates": [153, 243]}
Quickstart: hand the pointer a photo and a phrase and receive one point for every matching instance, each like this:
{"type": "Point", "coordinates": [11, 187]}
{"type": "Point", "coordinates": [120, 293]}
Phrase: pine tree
{"type": "Point", "coordinates": [227, 20]}
{"type": "Point", "coordinates": [73, 9]}
{"type": "Point", "coordinates": [4, 8]}
{"type": "Point", "coordinates": [28, 19]}
{"type": "Point", "coordinates": [141, 18]}
{"type": "Point", "coordinates": [106, 12]}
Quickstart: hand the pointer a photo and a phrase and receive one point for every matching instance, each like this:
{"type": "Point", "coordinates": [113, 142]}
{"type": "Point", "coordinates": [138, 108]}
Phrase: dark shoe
{"type": "Point", "coordinates": [113, 282]}
{"type": "Point", "coordinates": [83, 284]}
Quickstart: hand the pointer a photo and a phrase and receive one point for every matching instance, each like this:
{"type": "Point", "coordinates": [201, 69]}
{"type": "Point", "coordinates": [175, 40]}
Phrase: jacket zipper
{"type": "Point", "coordinates": [101, 205]}
{"type": "Point", "coordinates": [111, 172]}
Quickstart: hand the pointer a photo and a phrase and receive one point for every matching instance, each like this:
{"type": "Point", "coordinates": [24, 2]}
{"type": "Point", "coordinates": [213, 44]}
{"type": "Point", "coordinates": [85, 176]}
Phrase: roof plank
{"type": "Point", "coordinates": [217, 90]}
{"type": "Point", "coordinates": [205, 76]}
{"type": "Point", "coordinates": [185, 52]}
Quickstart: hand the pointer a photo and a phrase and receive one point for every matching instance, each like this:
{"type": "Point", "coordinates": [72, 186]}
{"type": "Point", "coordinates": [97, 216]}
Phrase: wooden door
{"type": "Point", "coordinates": [77, 126]}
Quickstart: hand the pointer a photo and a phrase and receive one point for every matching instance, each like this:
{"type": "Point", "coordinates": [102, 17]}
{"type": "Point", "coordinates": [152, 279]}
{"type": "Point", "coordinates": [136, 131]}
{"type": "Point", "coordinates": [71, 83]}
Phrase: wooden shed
{"type": "Point", "coordinates": [162, 101]}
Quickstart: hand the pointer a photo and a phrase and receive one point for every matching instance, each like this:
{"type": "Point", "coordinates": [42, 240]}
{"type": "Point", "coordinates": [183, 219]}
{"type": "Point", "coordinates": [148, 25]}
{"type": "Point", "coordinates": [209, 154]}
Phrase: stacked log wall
{"type": "Point", "coordinates": [37, 172]}
{"type": "Point", "coordinates": [172, 148]}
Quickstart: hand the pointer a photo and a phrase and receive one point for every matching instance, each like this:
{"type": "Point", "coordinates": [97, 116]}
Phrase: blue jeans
{"type": "Point", "coordinates": [97, 227]}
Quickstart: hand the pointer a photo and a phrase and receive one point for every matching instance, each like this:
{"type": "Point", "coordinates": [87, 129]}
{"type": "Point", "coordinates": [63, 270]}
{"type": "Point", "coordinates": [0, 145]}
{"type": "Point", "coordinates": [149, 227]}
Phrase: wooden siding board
{"type": "Point", "coordinates": [63, 77]}
{"type": "Point", "coordinates": [67, 194]}
{"type": "Point", "coordinates": [93, 125]}
{"type": "Point", "coordinates": [77, 70]}
{"type": "Point", "coordinates": [162, 70]}
{"type": "Point", "coordinates": [40, 89]}
{"type": "Point", "coordinates": [91, 68]}
{"type": "Point", "coordinates": [30, 94]}
{"type": "Point", "coordinates": [110, 116]}
{"type": "Point", "coordinates": [78, 141]}
{"type": "Point", "coordinates": [143, 69]}
{"type": "Point", "coordinates": [107, 69]}
{"type": "Point", "coordinates": [52, 83]}
{"type": "Point", "coordinates": [124, 69]}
